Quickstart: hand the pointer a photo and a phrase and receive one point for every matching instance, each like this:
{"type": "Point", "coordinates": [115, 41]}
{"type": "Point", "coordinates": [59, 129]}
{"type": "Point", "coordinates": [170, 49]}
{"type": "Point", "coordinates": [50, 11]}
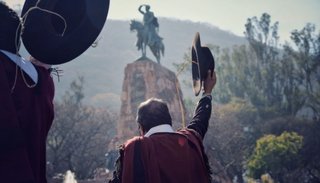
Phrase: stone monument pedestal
{"type": "Point", "coordinates": [145, 79]}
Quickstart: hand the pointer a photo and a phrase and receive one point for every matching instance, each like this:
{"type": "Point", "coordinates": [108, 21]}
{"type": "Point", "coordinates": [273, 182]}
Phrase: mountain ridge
{"type": "Point", "coordinates": [103, 66]}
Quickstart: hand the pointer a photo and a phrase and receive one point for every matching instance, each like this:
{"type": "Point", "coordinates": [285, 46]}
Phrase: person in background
{"type": "Point", "coordinates": [26, 110]}
{"type": "Point", "coordinates": [162, 155]}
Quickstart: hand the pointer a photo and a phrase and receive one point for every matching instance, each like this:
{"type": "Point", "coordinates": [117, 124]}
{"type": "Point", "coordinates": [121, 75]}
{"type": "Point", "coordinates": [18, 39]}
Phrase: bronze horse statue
{"type": "Point", "coordinates": [156, 46]}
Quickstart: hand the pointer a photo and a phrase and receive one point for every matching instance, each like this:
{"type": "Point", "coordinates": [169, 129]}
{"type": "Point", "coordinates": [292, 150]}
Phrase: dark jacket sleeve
{"type": "Point", "coordinates": [201, 117]}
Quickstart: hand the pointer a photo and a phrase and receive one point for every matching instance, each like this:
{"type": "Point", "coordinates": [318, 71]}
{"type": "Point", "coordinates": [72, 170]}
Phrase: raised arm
{"type": "Point", "coordinates": [202, 114]}
{"type": "Point", "coordinates": [140, 10]}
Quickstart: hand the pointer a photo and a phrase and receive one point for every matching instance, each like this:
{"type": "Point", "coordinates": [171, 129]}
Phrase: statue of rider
{"type": "Point", "coordinates": [150, 23]}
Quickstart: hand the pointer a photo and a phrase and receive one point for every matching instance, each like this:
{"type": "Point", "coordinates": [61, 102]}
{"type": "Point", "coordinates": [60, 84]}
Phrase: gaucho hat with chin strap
{"type": "Point", "coordinates": [42, 33]}
{"type": "Point", "coordinates": [202, 61]}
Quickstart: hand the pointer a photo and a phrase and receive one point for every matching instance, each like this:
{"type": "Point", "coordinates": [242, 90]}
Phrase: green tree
{"type": "Point", "coordinates": [263, 37]}
{"type": "Point", "coordinates": [308, 169]}
{"type": "Point", "coordinates": [307, 61]}
{"type": "Point", "coordinates": [229, 138]}
{"type": "Point", "coordinates": [275, 82]}
{"type": "Point", "coordinates": [275, 155]}
{"type": "Point", "coordinates": [268, 91]}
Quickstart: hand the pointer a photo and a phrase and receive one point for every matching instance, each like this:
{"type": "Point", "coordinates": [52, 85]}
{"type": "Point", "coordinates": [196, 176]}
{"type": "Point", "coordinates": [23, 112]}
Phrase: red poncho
{"type": "Point", "coordinates": [166, 158]}
{"type": "Point", "coordinates": [26, 115]}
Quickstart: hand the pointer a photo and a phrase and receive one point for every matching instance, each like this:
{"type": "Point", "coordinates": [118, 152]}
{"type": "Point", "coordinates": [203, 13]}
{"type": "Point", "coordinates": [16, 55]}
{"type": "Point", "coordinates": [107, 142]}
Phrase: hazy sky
{"type": "Point", "coordinates": [230, 15]}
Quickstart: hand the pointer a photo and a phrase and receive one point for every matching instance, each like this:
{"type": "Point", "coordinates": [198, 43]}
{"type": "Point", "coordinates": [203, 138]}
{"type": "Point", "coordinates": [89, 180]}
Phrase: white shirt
{"type": "Point", "coordinates": [159, 129]}
{"type": "Point", "coordinates": [24, 64]}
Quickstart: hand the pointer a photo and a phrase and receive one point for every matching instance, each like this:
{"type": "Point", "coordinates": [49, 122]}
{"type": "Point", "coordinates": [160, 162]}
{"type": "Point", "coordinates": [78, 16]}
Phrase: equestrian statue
{"type": "Point", "coordinates": [147, 33]}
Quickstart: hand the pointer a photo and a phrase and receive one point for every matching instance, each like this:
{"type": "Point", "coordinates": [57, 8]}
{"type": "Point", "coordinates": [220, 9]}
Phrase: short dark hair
{"type": "Point", "coordinates": [153, 112]}
{"type": "Point", "coordinates": [9, 24]}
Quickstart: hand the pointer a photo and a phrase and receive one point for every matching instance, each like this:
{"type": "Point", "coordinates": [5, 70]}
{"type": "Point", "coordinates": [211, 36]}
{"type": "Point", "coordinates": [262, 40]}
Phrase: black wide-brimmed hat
{"type": "Point", "coordinates": [42, 30]}
{"type": "Point", "coordinates": [202, 61]}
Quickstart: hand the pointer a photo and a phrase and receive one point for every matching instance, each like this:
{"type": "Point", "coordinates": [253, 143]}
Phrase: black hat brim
{"type": "Point", "coordinates": [202, 61]}
{"type": "Point", "coordinates": [42, 30]}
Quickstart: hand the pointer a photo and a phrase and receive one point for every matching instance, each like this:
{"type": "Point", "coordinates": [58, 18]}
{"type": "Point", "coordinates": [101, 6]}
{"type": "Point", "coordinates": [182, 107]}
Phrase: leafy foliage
{"type": "Point", "coordinates": [275, 155]}
{"type": "Point", "coordinates": [277, 85]}
{"type": "Point", "coordinates": [79, 136]}
{"type": "Point", "coordinates": [308, 169]}
{"type": "Point", "coordinates": [229, 137]}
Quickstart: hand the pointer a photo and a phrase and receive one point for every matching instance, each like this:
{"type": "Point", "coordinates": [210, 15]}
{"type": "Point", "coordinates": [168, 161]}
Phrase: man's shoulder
{"type": "Point", "coordinates": [191, 135]}
{"type": "Point", "coordinates": [189, 132]}
{"type": "Point", "coordinates": [130, 143]}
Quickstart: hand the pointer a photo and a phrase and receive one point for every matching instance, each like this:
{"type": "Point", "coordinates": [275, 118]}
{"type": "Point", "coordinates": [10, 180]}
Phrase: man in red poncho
{"type": "Point", "coordinates": [26, 110]}
{"type": "Point", "coordinates": [161, 155]}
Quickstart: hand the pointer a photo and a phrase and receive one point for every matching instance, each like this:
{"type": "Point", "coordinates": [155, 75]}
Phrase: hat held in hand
{"type": "Point", "coordinates": [42, 35]}
{"type": "Point", "coordinates": [202, 61]}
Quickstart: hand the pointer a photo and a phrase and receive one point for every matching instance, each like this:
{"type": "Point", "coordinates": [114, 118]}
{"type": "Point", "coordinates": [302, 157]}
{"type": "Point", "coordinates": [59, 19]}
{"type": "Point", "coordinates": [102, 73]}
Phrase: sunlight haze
{"type": "Point", "coordinates": [229, 15]}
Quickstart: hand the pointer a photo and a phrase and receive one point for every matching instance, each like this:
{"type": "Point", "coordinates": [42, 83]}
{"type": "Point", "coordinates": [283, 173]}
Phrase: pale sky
{"type": "Point", "coordinates": [230, 15]}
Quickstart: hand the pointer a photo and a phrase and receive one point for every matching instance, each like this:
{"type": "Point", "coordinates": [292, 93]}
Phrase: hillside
{"type": "Point", "coordinates": [103, 66]}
